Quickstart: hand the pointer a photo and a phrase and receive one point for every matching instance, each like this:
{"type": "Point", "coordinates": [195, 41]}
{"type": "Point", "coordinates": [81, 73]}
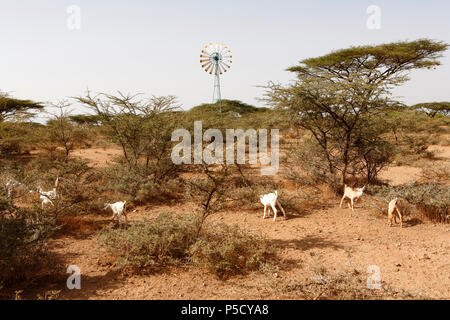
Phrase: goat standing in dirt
{"type": "Point", "coordinates": [392, 216]}
{"type": "Point", "coordinates": [352, 194]}
{"type": "Point", "coordinates": [271, 200]}
{"type": "Point", "coordinates": [117, 209]}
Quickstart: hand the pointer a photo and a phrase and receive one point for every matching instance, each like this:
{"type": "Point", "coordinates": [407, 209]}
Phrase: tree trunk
{"type": "Point", "coordinates": [345, 158]}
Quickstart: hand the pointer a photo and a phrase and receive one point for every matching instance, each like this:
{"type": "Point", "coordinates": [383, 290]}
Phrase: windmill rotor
{"type": "Point", "coordinates": [215, 59]}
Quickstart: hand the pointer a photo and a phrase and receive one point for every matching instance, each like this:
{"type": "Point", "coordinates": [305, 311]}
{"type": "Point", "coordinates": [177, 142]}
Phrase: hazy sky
{"type": "Point", "coordinates": [153, 47]}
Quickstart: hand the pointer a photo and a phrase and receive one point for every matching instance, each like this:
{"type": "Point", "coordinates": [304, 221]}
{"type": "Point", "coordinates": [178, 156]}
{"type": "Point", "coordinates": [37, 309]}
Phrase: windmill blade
{"type": "Point", "coordinates": [206, 64]}
{"type": "Point", "coordinates": [223, 49]}
{"type": "Point", "coordinates": [214, 69]}
{"type": "Point", "coordinates": [204, 60]}
{"type": "Point", "coordinates": [226, 61]}
{"type": "Point", "coordinates": [226, 66]}
{"type": "Point", "coordinates": [209, 67]}
{"type": "Point", "coordinates": [221, 69]}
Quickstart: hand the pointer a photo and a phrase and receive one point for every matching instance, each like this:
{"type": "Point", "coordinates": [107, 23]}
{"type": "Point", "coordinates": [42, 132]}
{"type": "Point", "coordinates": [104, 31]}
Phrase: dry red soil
{"type": "Point", "coordinates": [415, 259]}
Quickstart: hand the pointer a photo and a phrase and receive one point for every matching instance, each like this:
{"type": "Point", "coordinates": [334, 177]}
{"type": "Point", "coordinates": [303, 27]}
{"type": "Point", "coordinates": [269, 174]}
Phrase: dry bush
{"type": "Point", "coordinates": [436, 172]}
{"type": "Point", "coordinates": [228, 250]}
{"type": "Point", "coordinates": [17, 138]}
{"type": "Point", "coordinates": [78, 193]}
{"type": "Point", "coordinates": [349, 285]}
{"type": "Point", "coordinates": [209, 191]}
{"type": "Point", "coordinates": [303, 199]}
{"type": "Point", "coordinates": [23, 234]}
{"type": "Point", "coordinates": [142, 184]}
{"type": "Point", "coordinates": [247, 195]}
{"type": "Point", "coordinates": [306, 164]}
{"type": "Point", "coordinates": [431, 200]}
{"type": "Point", "coordinates": [143, 129]}
{"type": "Point", "coordinates": [413, 147]}
{"type": "Point", "coordinates": [163, 241]}
{"type": "Point", "coordinates": [417, 144]}
{"type": "Point", "coordinates": [174, 239]}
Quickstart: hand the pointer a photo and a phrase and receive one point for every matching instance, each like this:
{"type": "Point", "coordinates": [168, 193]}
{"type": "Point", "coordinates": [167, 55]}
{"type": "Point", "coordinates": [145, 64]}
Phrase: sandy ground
{"type": "Point", "coordinates": [415, 259]}
{"type": "Point", "coordinates": [98, 157]}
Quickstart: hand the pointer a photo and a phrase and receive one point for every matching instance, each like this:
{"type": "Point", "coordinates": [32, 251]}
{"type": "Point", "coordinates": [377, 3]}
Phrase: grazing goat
{"type": "Point", "coordinates": [271, 200]}
{"type": "Point", "coordinates": [352, 194]}
{"type": "Point", "coordinates": [14, 186]}
{"type": "Point", "coordinates": [391, 214]}
{"type": "Point", "coordinates": [117, 210]}
{"type": "Point", "coordinates": [47, 197]}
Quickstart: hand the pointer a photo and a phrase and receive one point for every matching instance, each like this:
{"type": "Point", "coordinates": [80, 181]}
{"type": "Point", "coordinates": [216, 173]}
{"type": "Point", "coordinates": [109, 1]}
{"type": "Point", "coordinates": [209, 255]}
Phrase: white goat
{"type": "Point", "coordinates": [352, 194]}
{"type": "Point", "coordinates": [391, 214]}
{"type": "Point", "coordinates": [271, 200]}
{"type": "Point", "coordinates": [47, 197]}
{"type": "Point", "coordinates": [117, 210]}
{"type": "Point", "coordinates": [14, 186]}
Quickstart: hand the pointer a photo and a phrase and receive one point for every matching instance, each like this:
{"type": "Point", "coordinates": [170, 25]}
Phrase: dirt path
{"type": "Point", "coordinates": [415, 259]}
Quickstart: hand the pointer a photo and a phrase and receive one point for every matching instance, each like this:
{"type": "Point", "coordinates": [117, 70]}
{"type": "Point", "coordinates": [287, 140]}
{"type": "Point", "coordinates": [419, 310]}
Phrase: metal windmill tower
{"type": "Point", "coordinates": [216, 59]}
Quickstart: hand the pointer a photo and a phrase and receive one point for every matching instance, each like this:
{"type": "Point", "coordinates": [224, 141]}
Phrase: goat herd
{"type": "Point", "coordinates": [270, 200]}
{"type": "Point", "coordinates": [46, 198]}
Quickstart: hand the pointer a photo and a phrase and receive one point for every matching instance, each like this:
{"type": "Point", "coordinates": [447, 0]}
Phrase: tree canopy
{"type": "Point", "coordinates": [9, 107]}
{"type": "Point", "coordinates": [235, 106]}
{"type": "Point", "coordinates": [87, 119]}
{"type": "Point", "coordinates": [375, 62]}
{"type": "Point", "coordinates": [433, 108]}
{"type": "Point", "coordinates": [337, 96]}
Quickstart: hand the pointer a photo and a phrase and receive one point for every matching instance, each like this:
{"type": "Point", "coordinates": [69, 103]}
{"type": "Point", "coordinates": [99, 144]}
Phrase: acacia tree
{"type": "Point", "coordinates": [336, 95]}
{"type": "Point", "coordinates": [142, 127]}
{"type": "Point", "coordinates": [433, 108]}
{"type": "Point", "coordinates": [62, 133]}
{"type": "Point", "coordinates": [16, 134]}
{"type": "Point", "coordinates": [10, 107]}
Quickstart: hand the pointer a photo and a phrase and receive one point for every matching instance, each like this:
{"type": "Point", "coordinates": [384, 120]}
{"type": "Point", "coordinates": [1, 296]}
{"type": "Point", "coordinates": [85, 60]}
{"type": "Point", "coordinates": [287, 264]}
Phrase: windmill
{"type": "Point", "coordinates": [216, 59]}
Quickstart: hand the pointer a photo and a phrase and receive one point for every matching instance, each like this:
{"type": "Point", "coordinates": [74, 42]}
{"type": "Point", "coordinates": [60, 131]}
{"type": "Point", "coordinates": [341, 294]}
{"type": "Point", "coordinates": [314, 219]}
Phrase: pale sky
{"type": "Point", "coordinates": [153, 47]}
